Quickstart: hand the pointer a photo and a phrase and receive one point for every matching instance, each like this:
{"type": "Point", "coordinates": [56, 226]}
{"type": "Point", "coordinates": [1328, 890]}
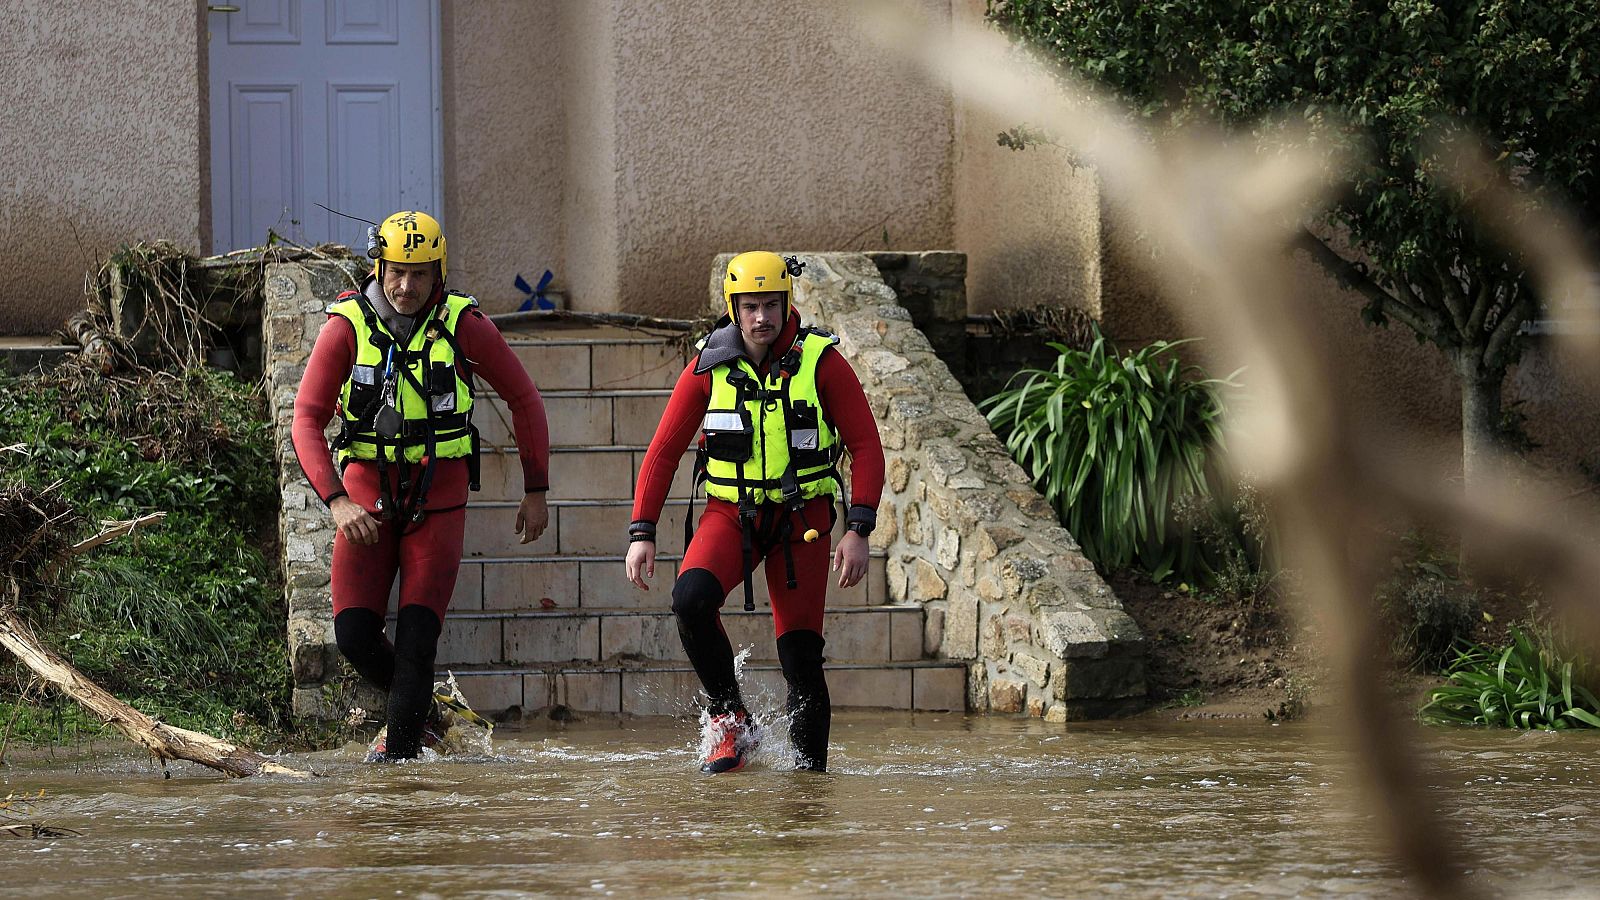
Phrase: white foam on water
{"type": "Point", "coordinates": [767, 742]}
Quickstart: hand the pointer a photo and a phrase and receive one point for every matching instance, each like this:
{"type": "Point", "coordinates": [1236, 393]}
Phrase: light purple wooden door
{"type": "Point", "coordinates": [322, 101]}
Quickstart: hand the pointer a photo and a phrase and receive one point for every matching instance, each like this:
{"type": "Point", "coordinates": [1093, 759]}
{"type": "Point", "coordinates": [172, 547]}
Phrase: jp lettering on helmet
{"type": "Point", "coordinates": [759, 271]}
{"type": "Point", "coordinates": [408, 237]}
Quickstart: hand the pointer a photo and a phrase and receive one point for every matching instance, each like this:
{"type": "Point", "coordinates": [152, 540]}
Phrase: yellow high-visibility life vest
{"type": "Point", "coordinates": [755, 429]}
{"type": "Point", "coordinates": [431, 392]}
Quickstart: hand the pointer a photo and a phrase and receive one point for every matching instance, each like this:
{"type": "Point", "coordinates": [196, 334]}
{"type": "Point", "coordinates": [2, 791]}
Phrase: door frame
{"type": "Point", "coordinates": [208, 171]}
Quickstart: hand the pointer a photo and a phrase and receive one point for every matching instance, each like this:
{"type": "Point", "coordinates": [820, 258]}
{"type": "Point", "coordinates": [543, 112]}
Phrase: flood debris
{"type": "Point", "coordinates": [156, 304]}
{"type": "Point", "coordinates": [37, 527]}
{"type": "Point", "coordinates": [16, 820]}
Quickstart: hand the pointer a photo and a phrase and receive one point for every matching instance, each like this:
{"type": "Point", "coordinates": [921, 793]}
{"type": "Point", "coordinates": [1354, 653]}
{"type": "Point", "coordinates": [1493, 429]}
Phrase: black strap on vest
{"type": "Point", "coordinates": [408, 504]}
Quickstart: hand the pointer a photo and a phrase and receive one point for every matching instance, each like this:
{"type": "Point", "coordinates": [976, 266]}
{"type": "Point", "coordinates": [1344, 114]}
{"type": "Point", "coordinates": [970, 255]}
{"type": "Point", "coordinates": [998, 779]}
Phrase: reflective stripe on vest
{"type": "Point", "coordinates": [447, 392]}
{"type": "Point", "coordinates": [746, 420]}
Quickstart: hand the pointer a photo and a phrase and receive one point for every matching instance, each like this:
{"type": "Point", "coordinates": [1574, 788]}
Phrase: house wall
{"type": "Point", "coordinates": [103, 135]}
{"type": "Point", "coordinates": [504, 144]}
{"type": "Point", "coordinates": [738, 126]}
{"type": "Point", "coordinates": [1028, 220]}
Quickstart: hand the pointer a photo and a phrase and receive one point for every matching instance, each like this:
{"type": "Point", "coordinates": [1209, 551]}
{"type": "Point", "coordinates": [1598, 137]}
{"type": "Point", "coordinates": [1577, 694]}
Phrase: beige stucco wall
{"type": "Point", "coordinates": [504, 144]}
{"type": "Point", "coordinates": [103, 140]}
{"type": "Point", "coordinates": [589, 191]}
{"type": "Point", "coordinates": [1028, 221]}
{"type": "Point", "coordinates": [739, 125]}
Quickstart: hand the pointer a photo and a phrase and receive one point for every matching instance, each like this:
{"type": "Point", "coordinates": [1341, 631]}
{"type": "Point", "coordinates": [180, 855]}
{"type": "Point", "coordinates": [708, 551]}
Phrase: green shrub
{"type": "Point", "coordinates": [1118, 442]}
{"type": "Point", "coordinates": [185, 619]}
{"type": "Point", "coordinates": [1432, 617]}
{"type": "Point", "coordinates": [1531, 684]}
{"type": "Point", "coordinates": [1430, 610]}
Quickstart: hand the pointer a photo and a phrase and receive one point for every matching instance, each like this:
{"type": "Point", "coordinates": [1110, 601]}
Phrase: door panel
{"type": "Point", "coordinates": [266, 174]}
{"type": "Point", "coordinates": [363, 147]}
{"type": "Point", "coordinates": [322, 101]}
{"type": "Point", "coordinates": [265, 22]}
{"type": "Point", "coordinates": [363, 21]}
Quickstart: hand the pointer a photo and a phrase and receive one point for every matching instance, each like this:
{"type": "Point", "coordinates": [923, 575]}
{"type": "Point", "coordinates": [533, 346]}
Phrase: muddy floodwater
{"type": "Point", "coordinates": [923, 805]}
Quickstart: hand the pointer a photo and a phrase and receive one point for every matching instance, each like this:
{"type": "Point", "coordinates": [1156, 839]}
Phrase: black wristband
{"type": "Point", "coordinates": [328, 500]}
{"type": "Point", "coordinates": [861, 519]}
{"type": "Point", "coordinates": [641, 531]}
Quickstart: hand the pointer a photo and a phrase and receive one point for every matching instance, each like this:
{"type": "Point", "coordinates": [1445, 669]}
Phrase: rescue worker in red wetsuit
{"type": "Point", "coordinates": [774, 402]}
{"type": "Point", "coordinates": [397, 362]}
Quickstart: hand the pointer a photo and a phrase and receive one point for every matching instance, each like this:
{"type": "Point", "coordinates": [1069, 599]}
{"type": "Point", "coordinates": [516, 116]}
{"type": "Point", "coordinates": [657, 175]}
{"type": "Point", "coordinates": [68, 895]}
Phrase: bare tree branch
{"type": "Point", "coordinates": [1421, 319]}
{"type": "Point", "coordinates": [1496, 356]}
{"type": "Point", "coordinates": [1454, 295]}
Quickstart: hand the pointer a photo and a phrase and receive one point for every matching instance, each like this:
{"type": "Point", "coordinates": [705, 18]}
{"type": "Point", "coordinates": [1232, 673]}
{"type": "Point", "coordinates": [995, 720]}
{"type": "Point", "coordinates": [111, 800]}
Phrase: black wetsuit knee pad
{"type": "Point", "coordinates": [697, 594]}
{"type": "Point", "coordinates": [358, 632]}
{"type": "Point", "coordinates": [416, 634]}
{"type": "Point", "coordinates": [800, 654]}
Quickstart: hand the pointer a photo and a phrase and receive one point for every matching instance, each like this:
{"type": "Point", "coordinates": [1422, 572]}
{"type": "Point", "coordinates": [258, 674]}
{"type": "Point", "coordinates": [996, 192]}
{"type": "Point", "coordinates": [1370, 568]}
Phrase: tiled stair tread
{"type": "Point", "coordinates": [671, 689]}
{"type": "Point", "coordinates": [532, 339]}
{"type": "Point", "coordinates": [731, 611]}
{"type": "Point", "coordinates": [680, 666]}
{"type": "Point", "coordinates": [608, 502]}
{"type": "Point", "coordinates": [583, 448]}
{"type": "Point", "coordinates": [585, 393]}
{"type": "Point", "coordinates": [612, 557]}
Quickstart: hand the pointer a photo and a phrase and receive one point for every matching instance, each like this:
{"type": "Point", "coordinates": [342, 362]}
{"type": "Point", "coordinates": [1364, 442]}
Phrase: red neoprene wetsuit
{"type": "Point", "coordinates": [429, 554]}
{"type": "Point", "coordinates": [716, 546]}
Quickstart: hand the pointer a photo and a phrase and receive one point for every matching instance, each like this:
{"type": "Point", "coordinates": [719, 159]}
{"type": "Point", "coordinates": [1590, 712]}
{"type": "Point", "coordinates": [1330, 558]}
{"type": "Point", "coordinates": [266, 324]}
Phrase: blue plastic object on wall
{"type": "Point", "coordinates": [535, 295]}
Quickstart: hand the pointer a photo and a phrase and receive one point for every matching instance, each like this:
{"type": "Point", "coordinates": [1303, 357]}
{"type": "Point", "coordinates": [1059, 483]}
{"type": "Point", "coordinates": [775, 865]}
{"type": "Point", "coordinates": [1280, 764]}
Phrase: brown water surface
{"type": "Point", "coordinates": [922, 805]}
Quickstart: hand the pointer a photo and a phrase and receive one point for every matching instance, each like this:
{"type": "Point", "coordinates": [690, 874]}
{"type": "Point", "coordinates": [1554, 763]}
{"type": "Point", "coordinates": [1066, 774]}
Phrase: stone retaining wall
{"type": "Point", "coordinates": [296, 297]}
{"type": "Point", "coordinates": [1005, 586]}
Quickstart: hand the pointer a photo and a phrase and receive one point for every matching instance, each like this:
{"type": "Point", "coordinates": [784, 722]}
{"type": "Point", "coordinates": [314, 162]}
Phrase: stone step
{"type": "Point", "coordinates": [599, 363]}
{"type": "Point", "coordinates": [579, 418]}
{"type": "Point", "coordinates": [670, 690]}
{"type": "Point", "coordinates": [537, 637]}
{"type": "Point", "coordinates": [22, 354]}
{"type": "Point", "coordinates": [489, 583]}
{"type": "Point", "coordinates": [601, 472]}
{"type": "Point", "coordinates": [577, 528]}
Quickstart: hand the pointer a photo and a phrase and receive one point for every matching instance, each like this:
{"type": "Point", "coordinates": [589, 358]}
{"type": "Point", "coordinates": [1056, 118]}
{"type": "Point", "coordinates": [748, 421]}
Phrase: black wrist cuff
{"type": "Point", "coordinates": [641, 531]}
{"type": "Point", "coordinates": [537, 490]}
{"type": "Point", "coordinates": [861, 519]}
{"type": "Point", "coordinates": [328, 500]}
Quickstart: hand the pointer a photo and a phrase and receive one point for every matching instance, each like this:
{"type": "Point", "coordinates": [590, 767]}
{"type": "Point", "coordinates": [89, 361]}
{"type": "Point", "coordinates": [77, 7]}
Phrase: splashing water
{"type": "Point", "coordinates": [466, 734]}
{"type": "Point", "coordinates": [766, 739]}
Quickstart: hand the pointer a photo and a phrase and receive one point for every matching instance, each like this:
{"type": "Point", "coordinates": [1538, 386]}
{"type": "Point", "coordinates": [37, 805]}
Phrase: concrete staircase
{"type": "Point", "coordinates": [555, 621]}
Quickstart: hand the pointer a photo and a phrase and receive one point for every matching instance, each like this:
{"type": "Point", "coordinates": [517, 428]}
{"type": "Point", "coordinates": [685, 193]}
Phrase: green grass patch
{"type": "Point", "coordinates": [185, 619]}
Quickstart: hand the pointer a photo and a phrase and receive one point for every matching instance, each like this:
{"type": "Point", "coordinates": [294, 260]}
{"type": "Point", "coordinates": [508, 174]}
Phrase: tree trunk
{"type": "Point", "coordinates": [1480, 416]}
{"type": "Point", "coordinates": [1480, 433]}
{"type": "Point", "coordinates": [163, 740]}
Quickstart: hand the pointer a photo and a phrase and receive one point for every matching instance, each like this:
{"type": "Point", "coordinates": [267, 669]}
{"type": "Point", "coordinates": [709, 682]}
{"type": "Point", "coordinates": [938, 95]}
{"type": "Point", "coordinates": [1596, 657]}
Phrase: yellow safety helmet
{"type": "Point", "coordinates": [758, 270]}
{"type": "Point", "coordinates": [407, 237]}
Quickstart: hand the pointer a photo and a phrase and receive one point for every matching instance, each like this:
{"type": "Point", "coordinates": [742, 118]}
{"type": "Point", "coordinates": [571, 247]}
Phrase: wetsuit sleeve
{"type": "Point", "coordinates": [685, 411]}
{"type": "Point", "coordinates": [846, 406]}
{"type": "Point", "coordinates": [331, 358]}
{"type": "Point", "coordinates": [492, 360]}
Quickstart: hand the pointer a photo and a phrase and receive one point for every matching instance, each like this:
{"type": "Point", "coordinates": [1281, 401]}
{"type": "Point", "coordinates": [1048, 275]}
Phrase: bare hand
{"type": "Point", "coordinates": [533, 516]}
{"type": "Point", "coordinates": [353, 521]}
{"type": "Point", "coordinates": [850, 559]}
{"type": "Point", "coordinates": [641, 563]}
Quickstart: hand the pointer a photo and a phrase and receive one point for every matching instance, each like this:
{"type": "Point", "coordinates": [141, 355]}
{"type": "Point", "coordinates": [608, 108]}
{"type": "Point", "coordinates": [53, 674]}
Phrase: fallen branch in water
{"type": "Point", "coordinates": [43, 549]}
{"type": "Point", "coordinates": [163, 740]}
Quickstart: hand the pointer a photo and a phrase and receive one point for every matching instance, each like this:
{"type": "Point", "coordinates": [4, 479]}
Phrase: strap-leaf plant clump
{"type": "Point", "coordinates": [1116, 442]}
